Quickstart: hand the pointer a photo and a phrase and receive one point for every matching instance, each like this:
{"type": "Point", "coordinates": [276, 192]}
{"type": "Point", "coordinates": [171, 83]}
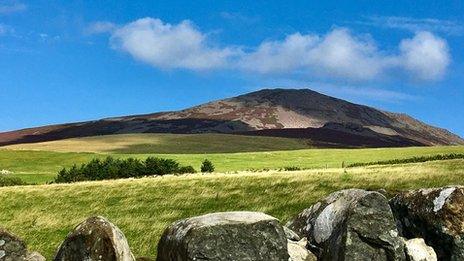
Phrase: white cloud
{"type": "Point", "coordinates": [416, 25]}
{"type": "Point", "coordinates": [169, 46]}
{"type": "Point", "coordinates": [8, 7]}
{"type": "Point", "coordinates": [339, 54]}
{"type": "Point", "coordinates": [279, 56]}
{"type": "Point", "coordinates": [425, 55]}
{"type": "Point", "coordinates": [100, 27]}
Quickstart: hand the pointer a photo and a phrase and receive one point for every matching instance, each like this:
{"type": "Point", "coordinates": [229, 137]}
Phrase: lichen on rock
{"type": "Point", "coordinates": [95, 239]}
{"type": "Point", "coordinates": [437, 215]}
{"type": "Point", "coordinates": [350, 224]}
{"type": "Point", "coordinates": [12, 248]}
{"type": "Point", "coordinates": [224, 236]}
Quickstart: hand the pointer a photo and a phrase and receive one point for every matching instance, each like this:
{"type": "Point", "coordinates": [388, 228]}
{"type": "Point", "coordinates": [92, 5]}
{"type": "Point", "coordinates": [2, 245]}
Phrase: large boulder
{"type": "Point", "coordinates": [417, 250]}
{"type": "Point", "coordinates": [12, 248]}
{"type": "Point", "coordinates": [224, 236]}
{"type": "Point", "coordinates": [437, 215]}
{"type": "Point", "coordinates": [95, 239]}
{"type": "Point", "coordinates": [350, 224]}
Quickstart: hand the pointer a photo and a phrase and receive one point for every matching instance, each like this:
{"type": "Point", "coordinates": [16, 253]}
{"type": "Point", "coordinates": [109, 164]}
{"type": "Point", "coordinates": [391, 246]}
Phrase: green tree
{"type": "Point", "coordinates": [207, 166]}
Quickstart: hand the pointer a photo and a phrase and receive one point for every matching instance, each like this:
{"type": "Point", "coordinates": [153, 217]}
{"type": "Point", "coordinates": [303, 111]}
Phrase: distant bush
{"type": "Point", "coordinates": [291, 168]}
{"type": "Point", "coordinates": [410, 160]}
{"type": "Point", "coordinates": [207, 166]}
{"type": "Point", "coordinates": [159, 166]}
{"type": "Point", "coordinates": [111, 168]}
{"type": "Point", "coordinates": [10, 181]}
{"type": "Point", "coordinates": [186, 169]}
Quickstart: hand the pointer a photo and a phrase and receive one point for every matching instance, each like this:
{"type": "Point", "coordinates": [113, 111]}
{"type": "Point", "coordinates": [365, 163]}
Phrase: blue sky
{"type": "Point", "coordinates": [66, 61]}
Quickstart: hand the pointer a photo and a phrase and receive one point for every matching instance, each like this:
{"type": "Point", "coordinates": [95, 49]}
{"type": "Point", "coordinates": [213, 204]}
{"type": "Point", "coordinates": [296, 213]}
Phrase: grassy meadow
{"type": "Point", "coordinates": [142, 208]}
{"type": "Point", "coordinates": [246, 178]}
{"type": "Point", "coordinates": [42, 166]}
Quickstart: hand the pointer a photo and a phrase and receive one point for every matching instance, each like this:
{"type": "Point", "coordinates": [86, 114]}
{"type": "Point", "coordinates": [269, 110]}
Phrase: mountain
{"type": "Point", "coordinates": [302, 113]}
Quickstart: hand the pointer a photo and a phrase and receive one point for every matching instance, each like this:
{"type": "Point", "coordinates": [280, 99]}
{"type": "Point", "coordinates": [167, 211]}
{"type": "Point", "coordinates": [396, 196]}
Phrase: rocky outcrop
{"type": "Point", "coordinates": [12, 248]}
{"type": "Point", "coordinates": [437, 215]}
{"type": "Point", "coordinates": [417, 250]}
{"type": "Point", "coordinates": [224, 236]}
{"type": "Point", "coordinates": [95, 239]}
{"type": "Point", "coordinates": [350, 225]}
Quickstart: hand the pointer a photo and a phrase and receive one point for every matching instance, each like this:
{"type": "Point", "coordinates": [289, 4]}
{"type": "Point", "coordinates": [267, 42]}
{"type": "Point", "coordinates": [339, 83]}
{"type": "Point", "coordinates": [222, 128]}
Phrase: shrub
{"type": "Point", "coordinates": [159, 166]}
{"type": "Point", "coordinates": [111, 168]}
{"type": "Point", "coordinates": [10, 181]}
{"type": "Point", "coordinates": [132, 168]}
{"type": "Point", "coordinates": [292, 168]}
{"type": "Point", "coordinates": [207, 166]}
{"type": "Point", "coordinates": [186, 169]}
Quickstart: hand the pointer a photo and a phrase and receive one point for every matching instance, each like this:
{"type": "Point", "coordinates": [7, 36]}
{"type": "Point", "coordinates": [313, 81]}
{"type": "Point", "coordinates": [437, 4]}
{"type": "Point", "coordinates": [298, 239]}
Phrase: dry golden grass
{"type": "Point", "coordinates": [142, 208]}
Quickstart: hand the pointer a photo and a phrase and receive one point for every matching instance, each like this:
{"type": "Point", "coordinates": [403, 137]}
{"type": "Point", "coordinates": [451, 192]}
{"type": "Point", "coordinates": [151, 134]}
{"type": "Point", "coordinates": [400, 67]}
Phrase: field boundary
{"type": "Point", "coordinates": [409, 160]}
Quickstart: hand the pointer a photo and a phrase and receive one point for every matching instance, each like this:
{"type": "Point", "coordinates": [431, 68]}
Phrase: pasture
{"type": "Point", "coordinates": [142, 208]}
{"type": "Point", "coordinates": [42, 166]}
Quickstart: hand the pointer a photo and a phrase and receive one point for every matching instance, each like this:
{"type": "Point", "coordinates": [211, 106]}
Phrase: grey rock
{"type": "Point", "coordinates": [95, 239]}
{"type": "Point", "coordinates": [298, 252]}
{"type": "Point", "coordinates": [224, 236]}
{"type": "Point", "coordinates": [417, 250]}
{"type": "Point", "coordinates": [437, 215]}
{"type": "Point", "coordinates": [350, 224]}
{"type": "Point", "coordinates": [291, 235]}
{"type": "Point", "coordinates": [12, 248]}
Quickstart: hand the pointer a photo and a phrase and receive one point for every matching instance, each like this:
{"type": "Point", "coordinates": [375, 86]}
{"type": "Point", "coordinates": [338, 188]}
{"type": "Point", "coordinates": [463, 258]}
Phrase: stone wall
{"type": "Point", "coordinates": [353, 224]}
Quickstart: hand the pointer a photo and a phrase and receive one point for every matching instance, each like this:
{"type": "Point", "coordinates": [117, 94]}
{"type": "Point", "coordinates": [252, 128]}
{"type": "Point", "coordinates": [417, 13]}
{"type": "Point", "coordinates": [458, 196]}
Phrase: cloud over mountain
{"type": "Point", "coordinates": [337, 54]}
{"type": "Point", "coordinates": [426, 56]}
{"type": "Point", "coordinates": [170, 46]}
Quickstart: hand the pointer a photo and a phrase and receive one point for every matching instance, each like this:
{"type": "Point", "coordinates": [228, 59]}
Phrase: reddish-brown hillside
{"type": "Point", "coordinates": [327, 121]}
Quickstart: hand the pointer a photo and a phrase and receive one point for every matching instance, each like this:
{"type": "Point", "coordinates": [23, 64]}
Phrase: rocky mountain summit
{"type": "Point", "coordinates": [352, 224]}
{"type": "Point", "coordinates": [303, 113]}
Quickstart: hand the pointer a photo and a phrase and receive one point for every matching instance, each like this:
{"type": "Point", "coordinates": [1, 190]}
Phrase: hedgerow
{"type": "Point", "coordinates": [409, 160]}
{"type": "Point", "coordinates": [111, 168]}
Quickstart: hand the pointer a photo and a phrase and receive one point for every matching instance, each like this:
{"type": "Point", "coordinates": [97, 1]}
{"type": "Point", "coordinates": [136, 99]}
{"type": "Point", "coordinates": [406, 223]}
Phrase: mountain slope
{"type": "Point", "coordinates": [327, 121]}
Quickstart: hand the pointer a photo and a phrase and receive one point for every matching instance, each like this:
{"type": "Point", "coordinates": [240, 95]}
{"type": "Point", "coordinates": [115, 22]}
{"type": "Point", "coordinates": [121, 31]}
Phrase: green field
{"type": "Point", "coordinates": [42, 166]}
{"type": "Point", "coordinates": [245, 180]}
{"type": "Point", "coordinates": [142, 208]}
{"type": "Point", "coordinates": [164, 143]}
